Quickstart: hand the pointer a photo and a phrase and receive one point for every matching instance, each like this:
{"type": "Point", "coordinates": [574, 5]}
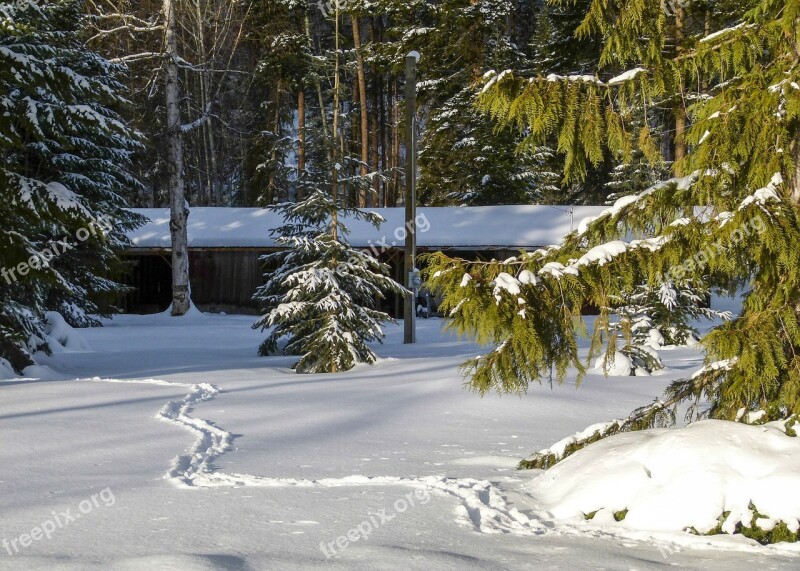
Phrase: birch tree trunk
{"type": "Point", "coordinates": [179, 210]}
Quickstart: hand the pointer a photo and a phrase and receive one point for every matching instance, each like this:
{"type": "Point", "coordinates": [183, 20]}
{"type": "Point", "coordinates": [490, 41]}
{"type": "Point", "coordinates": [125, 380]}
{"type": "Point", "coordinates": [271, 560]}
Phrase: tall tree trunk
{"type": "Point", "coordinates": [362, 112]}
{"type": "Point", "coordinates": [796, 177]}
{"type": "Point", "coordinates": [336, 87]}
{"type": "Point", "coordinates": [383, 122]}
{"type": "Point", "coordinates": [395, 146]}
{"type": "Point", "coordinates": [680, 108]}
{"type": "Point", "coordinates": [206, 137]}
{"type": "Point", "coordinates": [179, 208]}
{"type": "Point", "coordinates": [375, 133]}
{"type": "Point", "coordinates": [374, 143]}
{"type": "Point", "coordinates": [272, 182]}
{"type": "Point", "coordinates": [320, 99]}
{"type": "Point", "coordinates": [301, 138]}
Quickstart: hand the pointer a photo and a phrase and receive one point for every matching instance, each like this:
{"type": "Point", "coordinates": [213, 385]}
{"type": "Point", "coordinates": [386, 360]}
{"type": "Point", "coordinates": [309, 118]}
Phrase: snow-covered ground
{"type": "Point", "coordinates": [179, 448]}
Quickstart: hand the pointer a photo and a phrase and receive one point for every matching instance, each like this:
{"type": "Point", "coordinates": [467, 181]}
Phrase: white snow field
{"type": "Point", "coordinates": [165, 443]}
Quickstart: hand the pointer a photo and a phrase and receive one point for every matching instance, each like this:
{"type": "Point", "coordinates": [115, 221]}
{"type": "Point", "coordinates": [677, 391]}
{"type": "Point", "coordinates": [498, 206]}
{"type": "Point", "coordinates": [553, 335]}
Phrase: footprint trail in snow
{"type": "Point", "coordinates": [481, 503]}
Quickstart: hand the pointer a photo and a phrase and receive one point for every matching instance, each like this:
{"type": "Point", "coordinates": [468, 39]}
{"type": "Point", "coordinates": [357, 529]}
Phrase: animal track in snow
{"type": "Point", "coordinates": [482, 506]}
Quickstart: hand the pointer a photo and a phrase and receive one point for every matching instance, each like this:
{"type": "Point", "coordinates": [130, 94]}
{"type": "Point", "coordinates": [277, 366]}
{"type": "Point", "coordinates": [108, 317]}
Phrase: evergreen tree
{"type": "Point", "coordinates": [739, 86]}
{"type": "Point", "coordinates": [554, 49]}
{"type": "Point", "coordinates": [66, 154]}
{"type": "Point", "coordinates": [321, 300]}
{"type": "Point", "coordinates": [647, 319]}
{"type": "Point", "coordinates": [463, 158]}
{"type": "Point", "coordinates": [630, 175]}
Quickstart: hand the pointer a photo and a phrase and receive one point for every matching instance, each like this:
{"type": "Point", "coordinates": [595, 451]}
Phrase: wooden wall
{"type": "Point", "coordinates": [226, 279]}
{"type": "Point", "coordinates": [222, 280]}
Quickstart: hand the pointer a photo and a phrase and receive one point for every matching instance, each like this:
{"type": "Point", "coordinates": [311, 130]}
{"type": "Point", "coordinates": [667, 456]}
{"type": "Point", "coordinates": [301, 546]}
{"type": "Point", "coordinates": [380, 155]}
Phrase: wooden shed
{"type": "Point", "coordinates": [226, 244]}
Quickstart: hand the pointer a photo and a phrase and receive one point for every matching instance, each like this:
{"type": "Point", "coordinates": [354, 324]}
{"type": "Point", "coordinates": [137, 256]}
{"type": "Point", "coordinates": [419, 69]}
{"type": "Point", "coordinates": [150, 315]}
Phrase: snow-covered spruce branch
{"type": "Point", "coordinates": [658, 413]}
{"type": "Point", "coordinates": [492, 78]}
{"type": "Point", "coordinates": [490, 301]}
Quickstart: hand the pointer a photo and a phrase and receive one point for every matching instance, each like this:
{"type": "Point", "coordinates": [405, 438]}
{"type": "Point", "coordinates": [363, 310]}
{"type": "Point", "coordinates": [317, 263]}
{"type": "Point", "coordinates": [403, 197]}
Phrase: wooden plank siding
{"type": "Point", "coordinates": [221, 280]}
{"type": "Point", "coordinates": [225, 279]}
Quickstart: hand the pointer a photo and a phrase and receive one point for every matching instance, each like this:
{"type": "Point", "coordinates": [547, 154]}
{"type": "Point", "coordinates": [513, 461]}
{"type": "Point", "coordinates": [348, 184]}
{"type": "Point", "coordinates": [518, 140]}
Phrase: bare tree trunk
{"type": "Point", "coordinates": [385, 137]}
{"type": "Point", "coordinates": [362, 95]}
{"type": "Point", "coordinates": [179, 209]}
{"type": "Point", "coordinates": [320, 98]}
{"type": "Point", "coordinates": [203, 81]}
{"type": "Point", "coordinates": [374, 142]}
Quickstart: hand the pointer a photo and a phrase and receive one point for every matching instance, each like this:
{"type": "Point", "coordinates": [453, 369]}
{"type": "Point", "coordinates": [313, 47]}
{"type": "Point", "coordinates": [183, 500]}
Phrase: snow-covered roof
{"type": "Point", "coordinates": [480, 227]}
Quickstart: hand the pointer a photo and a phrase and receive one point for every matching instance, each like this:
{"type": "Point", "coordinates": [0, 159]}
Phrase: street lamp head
{"type": "Point", "coordinates": [413, 54]}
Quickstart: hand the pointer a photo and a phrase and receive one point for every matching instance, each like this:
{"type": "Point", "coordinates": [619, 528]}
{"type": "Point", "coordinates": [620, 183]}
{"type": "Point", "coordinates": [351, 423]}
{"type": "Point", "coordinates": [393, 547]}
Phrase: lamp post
{"type": "Point", "coordinates": [412, 274]}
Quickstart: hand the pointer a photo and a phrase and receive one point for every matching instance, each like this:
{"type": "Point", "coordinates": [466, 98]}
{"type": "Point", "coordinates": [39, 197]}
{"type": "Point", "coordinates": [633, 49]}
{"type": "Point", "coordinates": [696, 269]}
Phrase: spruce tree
{"type": "Point", "coordinates": [322, 299]}
{"type": "Point", "coordinates": [739, 86]}
{"type": "Point", "coordinates": [66, 154]}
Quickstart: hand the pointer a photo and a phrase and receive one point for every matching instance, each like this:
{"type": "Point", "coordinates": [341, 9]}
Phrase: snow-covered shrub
{"type": "Point", "coordinates": [710, 477]}
{"type": "Point", "coordinates": [631, 361]}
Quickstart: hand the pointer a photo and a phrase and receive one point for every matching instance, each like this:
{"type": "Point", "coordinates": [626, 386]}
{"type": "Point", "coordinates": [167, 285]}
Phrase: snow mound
{"type": "Point", "coordinates": [61, 335]}
{"type": "Point", "coordinates": [194, 315]}
{"type": "Point", "coordinates": [681, 478]}
{"type": "Point", "coordinates": [41, 373]}
{"type": "Point", "coordinates": [6, 370]}
{"type": "Point", "coordinates": [620, 366]}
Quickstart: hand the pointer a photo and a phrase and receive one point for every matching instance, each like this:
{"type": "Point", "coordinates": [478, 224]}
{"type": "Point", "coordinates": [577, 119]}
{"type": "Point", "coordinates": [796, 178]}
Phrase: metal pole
{"type": "Point", "coordinates": [410, 314]}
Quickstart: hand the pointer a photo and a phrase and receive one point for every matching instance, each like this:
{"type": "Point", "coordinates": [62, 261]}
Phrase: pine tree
{"type": "Point", "coordinates": [321, 300]}
{"type": "Point", "coordinates": [66, 154]}
{"type": "Point", "coordinates": [739, 85]}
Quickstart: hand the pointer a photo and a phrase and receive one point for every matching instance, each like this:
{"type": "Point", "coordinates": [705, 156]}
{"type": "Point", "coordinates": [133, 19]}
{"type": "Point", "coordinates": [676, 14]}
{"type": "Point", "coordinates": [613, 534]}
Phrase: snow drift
{"type": "Point", "coordinates": [61, 336]}
{"type": "Point", "coordinates": [711, 476]}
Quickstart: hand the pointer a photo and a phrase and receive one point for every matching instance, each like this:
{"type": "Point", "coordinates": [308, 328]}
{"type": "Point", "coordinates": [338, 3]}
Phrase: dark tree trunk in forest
{"type": "Point", "coordinates": [362, 112]}
{"type": "Point", "coordinates": [301, 137]}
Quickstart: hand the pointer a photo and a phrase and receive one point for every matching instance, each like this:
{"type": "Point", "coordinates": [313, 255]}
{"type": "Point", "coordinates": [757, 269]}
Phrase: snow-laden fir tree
{"type": "Point", "coordinates": [647, 319]}
{"type": "Point", "coordinates": [740, 84]}
{"type": "Point", "coordinates": [666, 315]}
{"type": "Point", "coordinates": [321, 300]}
{"type": "Point", "coordinates": [64, 171]}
